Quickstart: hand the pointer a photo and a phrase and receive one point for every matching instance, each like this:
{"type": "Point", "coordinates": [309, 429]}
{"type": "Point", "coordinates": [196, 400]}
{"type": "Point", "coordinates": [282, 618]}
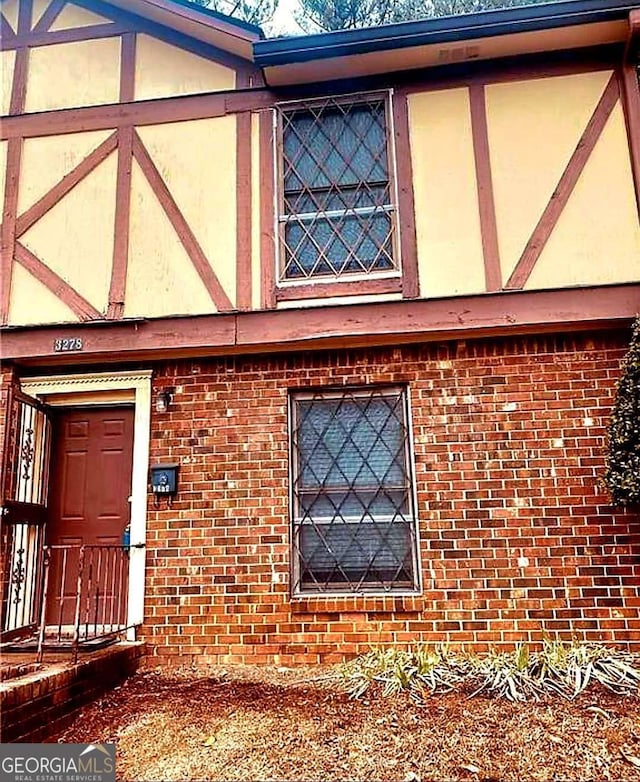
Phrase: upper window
{"type": "Point", "coordinates": [337, 205]}
{"type": "Point", "coordinates": [354, 526]}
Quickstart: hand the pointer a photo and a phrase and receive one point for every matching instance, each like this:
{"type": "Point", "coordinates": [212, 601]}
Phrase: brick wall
{"type": "Point", "coordinates": [517, 538]}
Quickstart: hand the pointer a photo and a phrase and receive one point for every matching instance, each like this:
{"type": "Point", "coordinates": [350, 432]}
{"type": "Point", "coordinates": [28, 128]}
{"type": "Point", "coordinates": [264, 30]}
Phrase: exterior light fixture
{"type": "Point", "coordinates": [163, 400]}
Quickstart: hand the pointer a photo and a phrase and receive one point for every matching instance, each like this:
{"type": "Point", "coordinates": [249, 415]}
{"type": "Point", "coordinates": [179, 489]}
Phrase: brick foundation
{"type": "Point", "coordinates": [517, 538]}
{"type": "Point", "coordinates": [37, 706]}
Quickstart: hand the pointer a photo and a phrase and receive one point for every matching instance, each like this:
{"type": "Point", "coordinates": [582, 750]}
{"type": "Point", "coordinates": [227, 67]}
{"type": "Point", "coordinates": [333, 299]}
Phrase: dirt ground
{"type": "Point", "coordinates": [264, 724]}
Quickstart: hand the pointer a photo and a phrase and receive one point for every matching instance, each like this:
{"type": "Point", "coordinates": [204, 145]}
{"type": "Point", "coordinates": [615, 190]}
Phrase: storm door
{"type": "Point", "coordinates": [24, 510]}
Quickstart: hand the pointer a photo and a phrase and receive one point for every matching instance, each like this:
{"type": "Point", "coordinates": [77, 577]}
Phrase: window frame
{"type": "Point", "coordinates": [297, 590]}
{"type": "Point", "coordinates": [351, 283]}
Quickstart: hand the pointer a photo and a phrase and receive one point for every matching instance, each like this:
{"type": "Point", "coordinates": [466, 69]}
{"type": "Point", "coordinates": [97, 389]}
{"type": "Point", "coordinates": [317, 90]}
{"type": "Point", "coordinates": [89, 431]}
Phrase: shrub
{"type": "Point", "coordinates": [622, 475]}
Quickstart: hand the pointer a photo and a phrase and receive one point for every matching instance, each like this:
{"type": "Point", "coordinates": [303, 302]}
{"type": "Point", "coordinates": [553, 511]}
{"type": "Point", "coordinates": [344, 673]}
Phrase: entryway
{"type": "Point", "coordinates": [74, 507]}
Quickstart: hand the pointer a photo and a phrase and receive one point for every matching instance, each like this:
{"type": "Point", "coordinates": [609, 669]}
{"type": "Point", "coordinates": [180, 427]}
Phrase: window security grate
{"type": "Point", "coordinates": [336, 210]}
{"type": "Point", "coordinates": [354, 524]}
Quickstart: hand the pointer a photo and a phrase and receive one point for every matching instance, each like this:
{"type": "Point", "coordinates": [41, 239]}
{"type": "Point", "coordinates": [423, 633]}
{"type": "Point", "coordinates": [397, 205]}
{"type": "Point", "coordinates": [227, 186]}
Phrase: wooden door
{"type": "Point", "coordinates": [92, 455]}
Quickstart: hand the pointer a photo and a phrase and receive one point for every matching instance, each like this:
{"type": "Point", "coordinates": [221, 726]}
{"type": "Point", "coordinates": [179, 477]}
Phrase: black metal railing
{"type": "Point", "coordinates": [85, 595]}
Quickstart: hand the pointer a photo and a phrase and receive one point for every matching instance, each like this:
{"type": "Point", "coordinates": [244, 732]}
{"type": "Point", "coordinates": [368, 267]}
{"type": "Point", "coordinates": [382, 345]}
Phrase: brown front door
{"type": "Point", "coordinates": [92, 454]}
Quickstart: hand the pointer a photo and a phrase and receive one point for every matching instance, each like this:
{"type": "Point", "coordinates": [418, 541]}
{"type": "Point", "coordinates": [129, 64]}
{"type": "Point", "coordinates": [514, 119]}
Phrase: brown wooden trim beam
{"type": "Point", "coordinates": [187, 107]}
{"type": "Point", "coordinates": [630, 92]}
{"type": "Point", "coordinates": [322, 290]}
{"type": "Point", "coordinates": [181, 227]}
{"type": "Point", "coordinates": [68, 295]}
{"type": "Point", "coordinates": [406, 206]}
{"type": "Point", "coordinates": [8, 233]}
{"type": "Point", "coordinates": [148, 112]}
{"type": "Point", "coordinates": [13, 161]}
{"type": "Point", "coordinates": [632, 49]}
{"type": "Point", "coordinates": [67, 183]}
{"type": "Point", "coordinates": [565, 186]}
{"type": "Point", "coordinates": [267, 216]}
{"type": "Point", "coordinates": [121, 224]}
{"type": "Point", "coordinates": [25, 15]}
{"type": "Point", "coordinates": [243, 211]}
{"type": "Point", "coordinates": [72, 35]}
{"type": "Point", "coordinates": [484, 182]}
{"type": "Point", "coordinates": [19, 85]}
{"type": "Point", "coordinates": [49, 16]}
{"type": "Point", "coordinates": [350, 325]}
{"type": "Point", "coordinates": [128, 68]}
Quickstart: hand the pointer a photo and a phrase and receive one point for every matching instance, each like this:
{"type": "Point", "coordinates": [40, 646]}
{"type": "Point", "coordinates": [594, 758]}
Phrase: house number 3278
{"type": "Point", "coordinates": [65, 344]}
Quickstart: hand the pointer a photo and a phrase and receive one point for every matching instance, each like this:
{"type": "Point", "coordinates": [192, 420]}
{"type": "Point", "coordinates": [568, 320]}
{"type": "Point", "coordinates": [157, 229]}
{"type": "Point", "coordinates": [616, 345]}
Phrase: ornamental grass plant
{"type": "Point", "coordinates": [558, 668]}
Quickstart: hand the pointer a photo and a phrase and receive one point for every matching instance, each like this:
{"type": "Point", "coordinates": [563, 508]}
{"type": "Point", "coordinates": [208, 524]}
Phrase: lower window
{"type": "Point", "coordinates": [354, 525]}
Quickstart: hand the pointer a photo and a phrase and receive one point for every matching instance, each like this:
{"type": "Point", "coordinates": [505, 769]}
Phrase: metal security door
{"type": "Point", "coordinates": [25, 482]}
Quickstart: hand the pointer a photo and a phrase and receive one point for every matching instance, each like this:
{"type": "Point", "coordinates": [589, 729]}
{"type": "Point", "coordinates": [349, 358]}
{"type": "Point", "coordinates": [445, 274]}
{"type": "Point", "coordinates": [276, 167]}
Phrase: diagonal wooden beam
{"type": "Point", "coordinates": [68, 295]}
{"type": "Point", "coordinates": [49, 16]}
{"type": "Point", "coordinates": [121, 225]}
{"type": "Point", "coordinates": [6, 31]}
{"type": "Point", "coordinates": [181, 227]}
{"type": "Point", "coordinates": [567, 183]}
{"type": "Point", "coordinates": [67, 183]}
{"type": "Point", "coordinates": [486, 203]}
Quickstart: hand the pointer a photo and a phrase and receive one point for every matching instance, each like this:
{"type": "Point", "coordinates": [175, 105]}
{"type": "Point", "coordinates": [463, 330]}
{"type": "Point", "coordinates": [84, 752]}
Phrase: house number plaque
{"type": "Point", "coordinates": [67, 344]}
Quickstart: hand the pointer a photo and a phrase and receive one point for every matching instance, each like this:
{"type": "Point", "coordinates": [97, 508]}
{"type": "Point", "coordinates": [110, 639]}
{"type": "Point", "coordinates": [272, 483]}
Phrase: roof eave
{"type": "Point", "coordinates": [484, 24]}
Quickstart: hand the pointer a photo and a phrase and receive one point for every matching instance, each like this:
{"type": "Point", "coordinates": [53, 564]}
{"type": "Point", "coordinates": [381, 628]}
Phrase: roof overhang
{"type": "Point", "coordinates": [435, 42]}
{"type": "Point", "coordinates": [197, 22]}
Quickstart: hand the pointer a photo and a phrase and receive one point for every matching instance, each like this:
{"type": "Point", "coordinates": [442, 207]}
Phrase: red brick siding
{"type": "Point", "coordinates": [517, 538]}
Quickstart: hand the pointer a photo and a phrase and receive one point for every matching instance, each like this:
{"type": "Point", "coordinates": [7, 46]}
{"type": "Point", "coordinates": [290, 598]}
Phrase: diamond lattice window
{"type": "Point", "coordinates": [337, 208]}
{"type": "Point", "coordinates": [354, 526]}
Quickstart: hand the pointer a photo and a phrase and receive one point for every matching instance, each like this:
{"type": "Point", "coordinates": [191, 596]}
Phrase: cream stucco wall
{"type": "Point", "coordinates": [446, 203]}
{"type": "Point", "coordinates": [32, 302]}
{"type": "Point", "coordinates": [597, 238]}
{"type": "Point", "coordinates": [9, 10]}
{"type": "Point", "coordinates": [197, 160]}
{"type": "Point", "coordinates": [46, 160]}
{"type": "Point", "coordinates": [74, 16]}
{"type": "Point", "coordinates": [161, 280]}
{"type": "Point", "coordinates": [38, 7]}
{"type": "Point", "coordinates": [75, 238]}
{"type": "Point", "coordinates": [534, 127]}
{"type": "Point", "coordinates": [7, 62]}
{"type": "Point", "coordinates": [83, 73]}
{"type": "Point", "coordinates": [163, 70]}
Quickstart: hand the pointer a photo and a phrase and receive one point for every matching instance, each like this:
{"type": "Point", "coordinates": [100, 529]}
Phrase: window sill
{"type": "Point", "coordinates": [359, 287]}
{"type": "Point", "coordinates": [340, 603]}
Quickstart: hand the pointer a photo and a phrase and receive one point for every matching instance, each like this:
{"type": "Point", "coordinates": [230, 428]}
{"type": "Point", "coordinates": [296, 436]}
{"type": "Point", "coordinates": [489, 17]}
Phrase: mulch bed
{"type": "Point", "coordinates": [266, 724]}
